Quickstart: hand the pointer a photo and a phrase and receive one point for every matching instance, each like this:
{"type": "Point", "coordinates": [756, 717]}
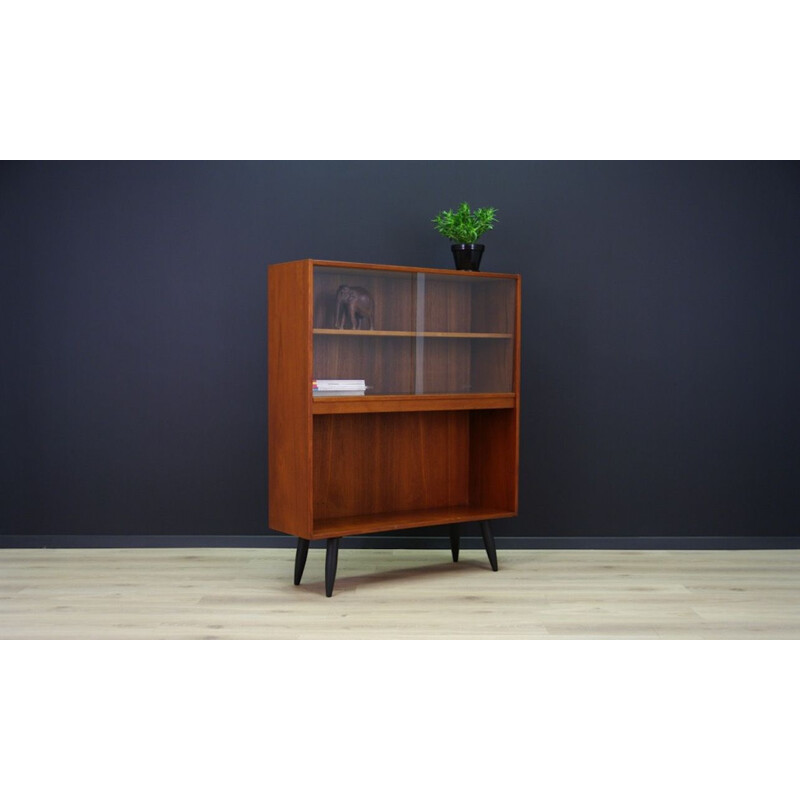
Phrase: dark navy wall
{"type": "Point", "coordinates": [661, 339]}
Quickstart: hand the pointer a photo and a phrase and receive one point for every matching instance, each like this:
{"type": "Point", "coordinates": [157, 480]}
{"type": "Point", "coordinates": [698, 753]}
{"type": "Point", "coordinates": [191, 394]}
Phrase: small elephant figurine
{"type": "Point", "coordinates": [354, 303]}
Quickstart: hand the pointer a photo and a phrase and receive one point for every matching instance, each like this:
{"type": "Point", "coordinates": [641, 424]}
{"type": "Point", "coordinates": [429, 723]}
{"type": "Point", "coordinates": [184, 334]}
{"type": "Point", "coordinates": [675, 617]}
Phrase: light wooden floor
{"type": "Point", "coordinates": [399, 594]}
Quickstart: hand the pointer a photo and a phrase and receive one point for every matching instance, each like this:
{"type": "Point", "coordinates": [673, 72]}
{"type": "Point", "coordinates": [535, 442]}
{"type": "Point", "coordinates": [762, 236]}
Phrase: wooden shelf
{"type": "Point", "coordinates": [368, 404]}
{"type": "Point", "coordinates": [412, 334]}
{"type": "Point", "coordinates": [371, 523]}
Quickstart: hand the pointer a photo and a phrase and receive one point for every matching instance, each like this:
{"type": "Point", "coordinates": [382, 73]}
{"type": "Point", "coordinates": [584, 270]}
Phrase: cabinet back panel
{"type": "Point", "coordinates": [394, 296]}
{"type": "Point", "coordinates": [492, 365]}
{"type": "Point", "coordinates": [493, 306]}
{"type": "Point", "coordinates": [377, 463]}
{"type": "Point", "coordinates": [447, 305]}
{"type": "Point", "coordinates": [386, 364]}
{"type": "Point", "coordinates": [446, 366]}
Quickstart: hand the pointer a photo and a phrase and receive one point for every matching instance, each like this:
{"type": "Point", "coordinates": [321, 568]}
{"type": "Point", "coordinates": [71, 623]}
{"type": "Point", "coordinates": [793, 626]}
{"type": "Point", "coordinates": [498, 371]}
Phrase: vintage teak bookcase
{"type": "Point", "coordinates": [432, 441]}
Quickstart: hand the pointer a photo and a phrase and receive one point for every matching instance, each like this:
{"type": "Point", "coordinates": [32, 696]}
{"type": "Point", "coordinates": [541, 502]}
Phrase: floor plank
{"type": "Point", "coordinates": [241, 593]}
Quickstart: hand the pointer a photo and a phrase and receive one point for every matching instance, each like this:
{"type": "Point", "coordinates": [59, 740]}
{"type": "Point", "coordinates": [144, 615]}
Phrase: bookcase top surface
{"type": "Point", "coordinates": [316, 262]}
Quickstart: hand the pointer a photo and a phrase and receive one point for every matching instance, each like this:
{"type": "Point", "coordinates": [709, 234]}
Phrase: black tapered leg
{"type": "Point", "coordinates": [300, 559]}
{"type": "Point", "coordinates": [488, 541]}
{"type": "Point", "coordinates": [331, 558]}
{"type": "Point", "coordinates": [454, 540]}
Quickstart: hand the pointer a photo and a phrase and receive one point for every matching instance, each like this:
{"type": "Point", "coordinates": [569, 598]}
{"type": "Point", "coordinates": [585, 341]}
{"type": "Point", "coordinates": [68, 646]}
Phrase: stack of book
{"type": "Point", "coordinates": [340, 388]}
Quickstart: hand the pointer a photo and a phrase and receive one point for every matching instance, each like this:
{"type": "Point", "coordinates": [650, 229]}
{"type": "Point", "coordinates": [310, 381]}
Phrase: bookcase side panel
{"type": "Point", "coordinates": [289, 397]}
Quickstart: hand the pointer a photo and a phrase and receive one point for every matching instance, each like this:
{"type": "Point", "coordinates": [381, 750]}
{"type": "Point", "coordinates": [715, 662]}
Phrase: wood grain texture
{"type": "Point", "coordinates": [386, 364]}
{"type": "Point", "coordinates": [409, 402]}
{"type": "Point", "coordinates": [423, 446]}
{"type": "Point", "coordinates": [391, 521]}
{"type": "Point", "coordinates": [289, 397]}
{"type": "Point", "coordinates": [399, 594]}
{"type": "Point", "coordinates": [493, 465]}
{"type": "Point", "coordinates": [394, 294]}
{"type": "Point", "coordinates": [492, 365]}
{"type": "Point", "coordinates": [513, 454]}
{"type": "Point", "coordinates": [433, 271]}
{"type": "Point", "coordinates": [389, 463]}
{"type": "Point", "coordinates": [446, 367]}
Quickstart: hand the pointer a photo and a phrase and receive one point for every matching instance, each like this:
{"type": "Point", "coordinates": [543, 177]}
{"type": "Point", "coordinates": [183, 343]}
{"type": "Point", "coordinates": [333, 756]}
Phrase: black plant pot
{"type": "Point", "coordinates": [467, 256]}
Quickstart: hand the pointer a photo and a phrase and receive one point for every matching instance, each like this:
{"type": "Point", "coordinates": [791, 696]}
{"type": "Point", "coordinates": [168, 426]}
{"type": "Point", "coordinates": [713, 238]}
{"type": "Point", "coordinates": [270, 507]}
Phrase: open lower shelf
{"type": "Point", "coordinates": [383, 403]}
{"type": "Point", "coordinates": [371, 523]}
{"type": "Point", "coordinates": [413, 334]}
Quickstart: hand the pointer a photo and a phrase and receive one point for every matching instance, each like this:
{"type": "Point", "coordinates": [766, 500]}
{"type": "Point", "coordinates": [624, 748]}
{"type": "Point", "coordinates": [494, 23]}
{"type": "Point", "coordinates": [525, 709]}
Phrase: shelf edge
{"type": "Point", "coordinates": [409, 402]}
{"type": "Point", "coordinates": [410, 334]}
{"type": "Point", "coordinates": [375, 523]}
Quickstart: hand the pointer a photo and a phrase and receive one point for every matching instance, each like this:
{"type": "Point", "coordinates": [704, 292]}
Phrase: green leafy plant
{"type": "Point", "coordinates": [464, 226]}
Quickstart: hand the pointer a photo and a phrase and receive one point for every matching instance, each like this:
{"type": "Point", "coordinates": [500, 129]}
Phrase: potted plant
{"type": "Point", "coordinates": [464, 227]}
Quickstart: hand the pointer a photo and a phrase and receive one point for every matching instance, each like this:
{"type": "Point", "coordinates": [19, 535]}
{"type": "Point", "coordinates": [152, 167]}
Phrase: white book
{"type": "Point", "coordinates": [339, 393]}
{"type": "Point", "coordinates": [338, 385]}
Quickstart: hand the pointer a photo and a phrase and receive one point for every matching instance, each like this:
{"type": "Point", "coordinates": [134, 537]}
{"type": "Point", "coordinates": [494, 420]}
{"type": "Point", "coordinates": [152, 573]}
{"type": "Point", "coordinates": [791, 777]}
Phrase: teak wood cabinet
{"type": "Point", "coordinates": [432, 441]}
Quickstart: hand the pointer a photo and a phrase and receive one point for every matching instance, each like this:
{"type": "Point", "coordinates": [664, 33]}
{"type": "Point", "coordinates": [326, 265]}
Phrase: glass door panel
{"type": "Point", "coordinates": [405, 332]}
{"type": "Point", "coordinates": [364, 328]}
{"type": "Point", "coordinates": [468, 334]}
